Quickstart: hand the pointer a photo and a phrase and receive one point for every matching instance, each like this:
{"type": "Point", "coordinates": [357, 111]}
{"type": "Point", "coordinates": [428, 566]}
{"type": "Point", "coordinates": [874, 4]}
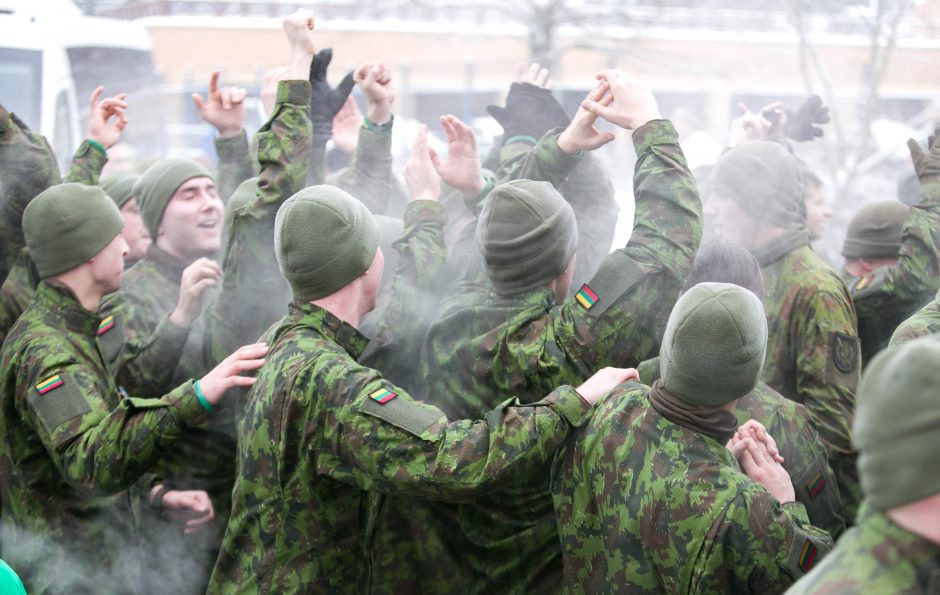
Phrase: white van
{"type": "Point", "coordinates": [52, 57]}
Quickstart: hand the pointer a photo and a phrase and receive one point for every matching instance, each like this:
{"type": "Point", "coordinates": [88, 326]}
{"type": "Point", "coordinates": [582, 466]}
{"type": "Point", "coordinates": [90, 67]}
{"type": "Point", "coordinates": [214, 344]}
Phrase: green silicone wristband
{"type": "Point", "coordinates": [202, 398]}
{"type": "Point", "coordinates": [97, 145]}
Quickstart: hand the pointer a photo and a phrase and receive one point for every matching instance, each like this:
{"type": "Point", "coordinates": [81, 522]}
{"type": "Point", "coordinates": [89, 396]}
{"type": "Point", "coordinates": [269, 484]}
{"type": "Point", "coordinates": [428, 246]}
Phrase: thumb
{"type": "Point", "coordinates": [598, 109]}
{"type": "Point", "coordinates": [917, 153]}
{"type": "Point", "coordinates": [200, 104]}
{"type": "Point", "coordinates": [496, 112]}
{"type": "Point", "coordinates": [346, 85]}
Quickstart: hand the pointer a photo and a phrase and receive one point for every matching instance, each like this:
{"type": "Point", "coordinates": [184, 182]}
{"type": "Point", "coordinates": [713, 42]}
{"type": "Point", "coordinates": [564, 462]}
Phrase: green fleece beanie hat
{"type": "Point", "coordinates": [157, 185]}
{"type": "Point", "coordinates": [764, 179]}
{"type": "Point", "coordinates": [875, 231]}
{"type": "Point", "coordinates": [527, 234]}
{"type": "Point", "coordinates": [119, 186]}
{"type": "Point", "coordinates": [68, 224]}
{"type": "Point", "coordinates": [714, 345]}
{"type": "Point", "coordinates": [897, 424]}
{"type": "Point", "coordinates": [324, 238]}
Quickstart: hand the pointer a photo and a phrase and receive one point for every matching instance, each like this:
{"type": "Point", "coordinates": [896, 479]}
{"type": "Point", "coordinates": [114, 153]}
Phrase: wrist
{"type": "Point", "coordinates": [156, 495]}
{"type": "Point", "coordinates": [98, 145]}
{"type": "Point", "coordinates": [202, 397]}
{"type": "Point", "coordinates": [567, 145]}
{"type": "Point", "coordinates": [379, 114]}
{"type": "Point", "coordinates": [300, 62]}
{"type": "Point", "coordinates": [179, 317]}
{"type": "Point", "coordinates": [384, 129]}
{"type": "Point", "coordinates": [228, 132]}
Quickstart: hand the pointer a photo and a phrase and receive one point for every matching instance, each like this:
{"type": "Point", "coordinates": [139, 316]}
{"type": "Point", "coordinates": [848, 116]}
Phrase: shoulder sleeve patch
{"type": "Point", "coordinates": [403, 413]}
{"type": "Point", "coordinates": [616, 275]}
{"type": "Point", "coordinates": [57, 399]}
{"type": "Point", "coordinates": [842, 366]}
{"type": "Point", "coordinates": [803, 554]}
{"type": "Point", "coordinates": [111, 338]}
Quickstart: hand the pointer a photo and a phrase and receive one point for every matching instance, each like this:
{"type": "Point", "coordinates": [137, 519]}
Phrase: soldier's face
{"type": "Point", "coordinates": [135, 234]}
{"type": "Point", "coordinates": [728, 221]}
{"type": "Point", "coordinates": [107, 266]}
{"type": "Point", "coordinates": [817, 211]}
{"type": "Point", "coordinates": [192, 222]}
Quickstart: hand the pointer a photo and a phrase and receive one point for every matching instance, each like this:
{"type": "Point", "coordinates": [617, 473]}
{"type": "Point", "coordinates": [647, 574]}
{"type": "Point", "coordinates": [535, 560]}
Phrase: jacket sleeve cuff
{"type": "Point", "coordinates": [232, 148]}
{"type": "Point", "coordinates": [570, 405]}
{"type": "Point", "coordinates": [184, 405]}
{"type": "Point", "coordinates": [92, 152]}
{"type": "Point", "coordinates": [424, 210]}
{"type": "Point", "coordinates": [654, 132]}
{"type": "Point", "coordinates": [554, 157]}
{"type": "Point", "coordinates": [294, 93]}
{"type": "Point", "coordinates": [796, 510]}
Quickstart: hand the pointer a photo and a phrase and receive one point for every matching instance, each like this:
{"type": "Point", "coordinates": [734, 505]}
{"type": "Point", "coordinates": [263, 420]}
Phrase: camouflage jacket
{"type": "Point", "coordinates": [924, 322]}
{"type": "Point", "coordinates": [813, 354]}
{"type": "Point", "coordinates": [29, 166]}
{"type": "Point", "coordinates": [205, 457]}
{"type": "Point", "coordinates": [889, 295]}
{"type": "Point", "coordinates": [71, 441]}
{"type": "Point", "coordinates": [321, 430]}
{"type": "Point", "coordinates": [875, 556]}
{"type": "Point", "coordinates": [647, 506]}
{"type": "Point", "coordinates": [484, 348]}
{"type": "Point", "coordinates": [804, 454]}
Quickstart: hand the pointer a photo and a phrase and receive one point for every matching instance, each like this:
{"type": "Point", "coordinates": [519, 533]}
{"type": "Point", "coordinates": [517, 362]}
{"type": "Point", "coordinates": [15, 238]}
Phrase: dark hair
{"type": "Point", "coordinates": [726, 262]}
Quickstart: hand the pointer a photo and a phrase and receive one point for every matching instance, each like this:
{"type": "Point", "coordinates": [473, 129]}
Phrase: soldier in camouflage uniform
{"type": "Point", "coordinates": [813, 352]}
{"type": "Point", "coordinates": [120, 187]}
{"type": "Point", "coordinates": [320, 429]}
{"type": "Point", "coordinates": [893, 255]}
{"type": "Point", "coordinates": [895, 544]}
{"type": "Point", "coordinates": [804, 455]}
{"type": "Point", "coordinates": [519, 336]}
{"type": "Point", "coordinates": [924, 322]}
{"type": "Point", "coordinates": [29, 167]}
{"type": "Point", "coordinates": [71, 440]}
{"type": "Point", "coordinates": [184, 215]}
{"type": "Point", "coordinates": [648, 497]}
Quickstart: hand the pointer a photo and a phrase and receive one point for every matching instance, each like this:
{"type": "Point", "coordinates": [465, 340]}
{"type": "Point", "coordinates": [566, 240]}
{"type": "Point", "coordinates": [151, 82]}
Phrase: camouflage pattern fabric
{"type": "Point", "coordinates": [484, 348]}
{"type": "Point", "coordinates": [647, 506]}
{"type": "Point", "coordinates": [889, 295]}
{"type": "Point", "coordinates": [924, 322]}
{"type": "Point", "coordinates": [813, 352]}
{"type": "Point", "coordinates": [17, 291]}
{"type": "Point", "coordinates": [875, 556]}
{"type": "Point", "coordinates": [804, 454]}
{"type": "Point", "coordinates": [321, 430]}
{"type": "Point", "coordinates": [70, 444]}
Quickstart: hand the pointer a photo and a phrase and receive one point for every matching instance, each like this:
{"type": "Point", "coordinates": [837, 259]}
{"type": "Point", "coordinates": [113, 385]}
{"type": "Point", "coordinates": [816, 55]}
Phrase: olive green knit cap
{"type": "Point", "coordinates": [875, 230]}
{"type": "Point", "coordinates": [159, 183]}
{"type": "Point", "coordinates": [897, 424]}
{"type": "Point", "coordinates": [68, 224]}
{"type": "Point", "coordinates": [764, 179]}
{"type": "Point", "coordinates": [527, 234]}
{"type": "Point", "coordinates": [323, 238]}
{"type": "Point", "coordinates": [119, 186]}
{"type": "Point", "coordinates": [714, 345]}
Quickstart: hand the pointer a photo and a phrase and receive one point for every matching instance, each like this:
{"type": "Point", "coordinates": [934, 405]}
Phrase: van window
{"type": "Point", "coordinates": [21, 81]}
{"type": "Point", "coordinates": [62, 141]}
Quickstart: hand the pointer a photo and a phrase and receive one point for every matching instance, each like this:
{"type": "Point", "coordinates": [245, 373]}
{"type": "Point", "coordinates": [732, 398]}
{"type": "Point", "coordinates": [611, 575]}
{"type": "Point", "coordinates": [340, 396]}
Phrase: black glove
{"type": "Point", "coordinates": [926, 163]}
{"type": "Point", "coordinates": [326, 102]}
{"type": "Point", "coordinates": [529, 111]}
{"type": "Point", "coordinates": [801, 122]}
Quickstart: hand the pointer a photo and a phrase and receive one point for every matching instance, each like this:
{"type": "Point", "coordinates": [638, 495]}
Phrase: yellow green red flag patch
{"type": "Point", "coordinates": [807, 556]}
{"type": "Point", "coordinates": [863, 282]}
{"type": "Point", "coordinates": [106, 325]}
{"type": "Point", "coordinates": [586, 297]}
{"type": "Point", "coordinates": [816, 485]}
{"type": "Point", "coordinates": [49, 384]}
{"type": "Point", "coordinates": [382, 396]}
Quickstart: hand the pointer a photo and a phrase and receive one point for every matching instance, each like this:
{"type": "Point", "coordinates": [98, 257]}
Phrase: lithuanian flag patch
{"type": "Point", "coordinates": [106, 325]}
{"type": "Point", "coordinates": [816, 485]}
{"type": "Point", "coordinates": [382, 396]}
{"type": "Point", "coordinates": [863, 282]}
{"type": "Point", "coordinates": [51, 383]}
{"type": "Point", "coordinates": [807, 556]}
{"type": "Point", "coordinates": [586, 297]}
